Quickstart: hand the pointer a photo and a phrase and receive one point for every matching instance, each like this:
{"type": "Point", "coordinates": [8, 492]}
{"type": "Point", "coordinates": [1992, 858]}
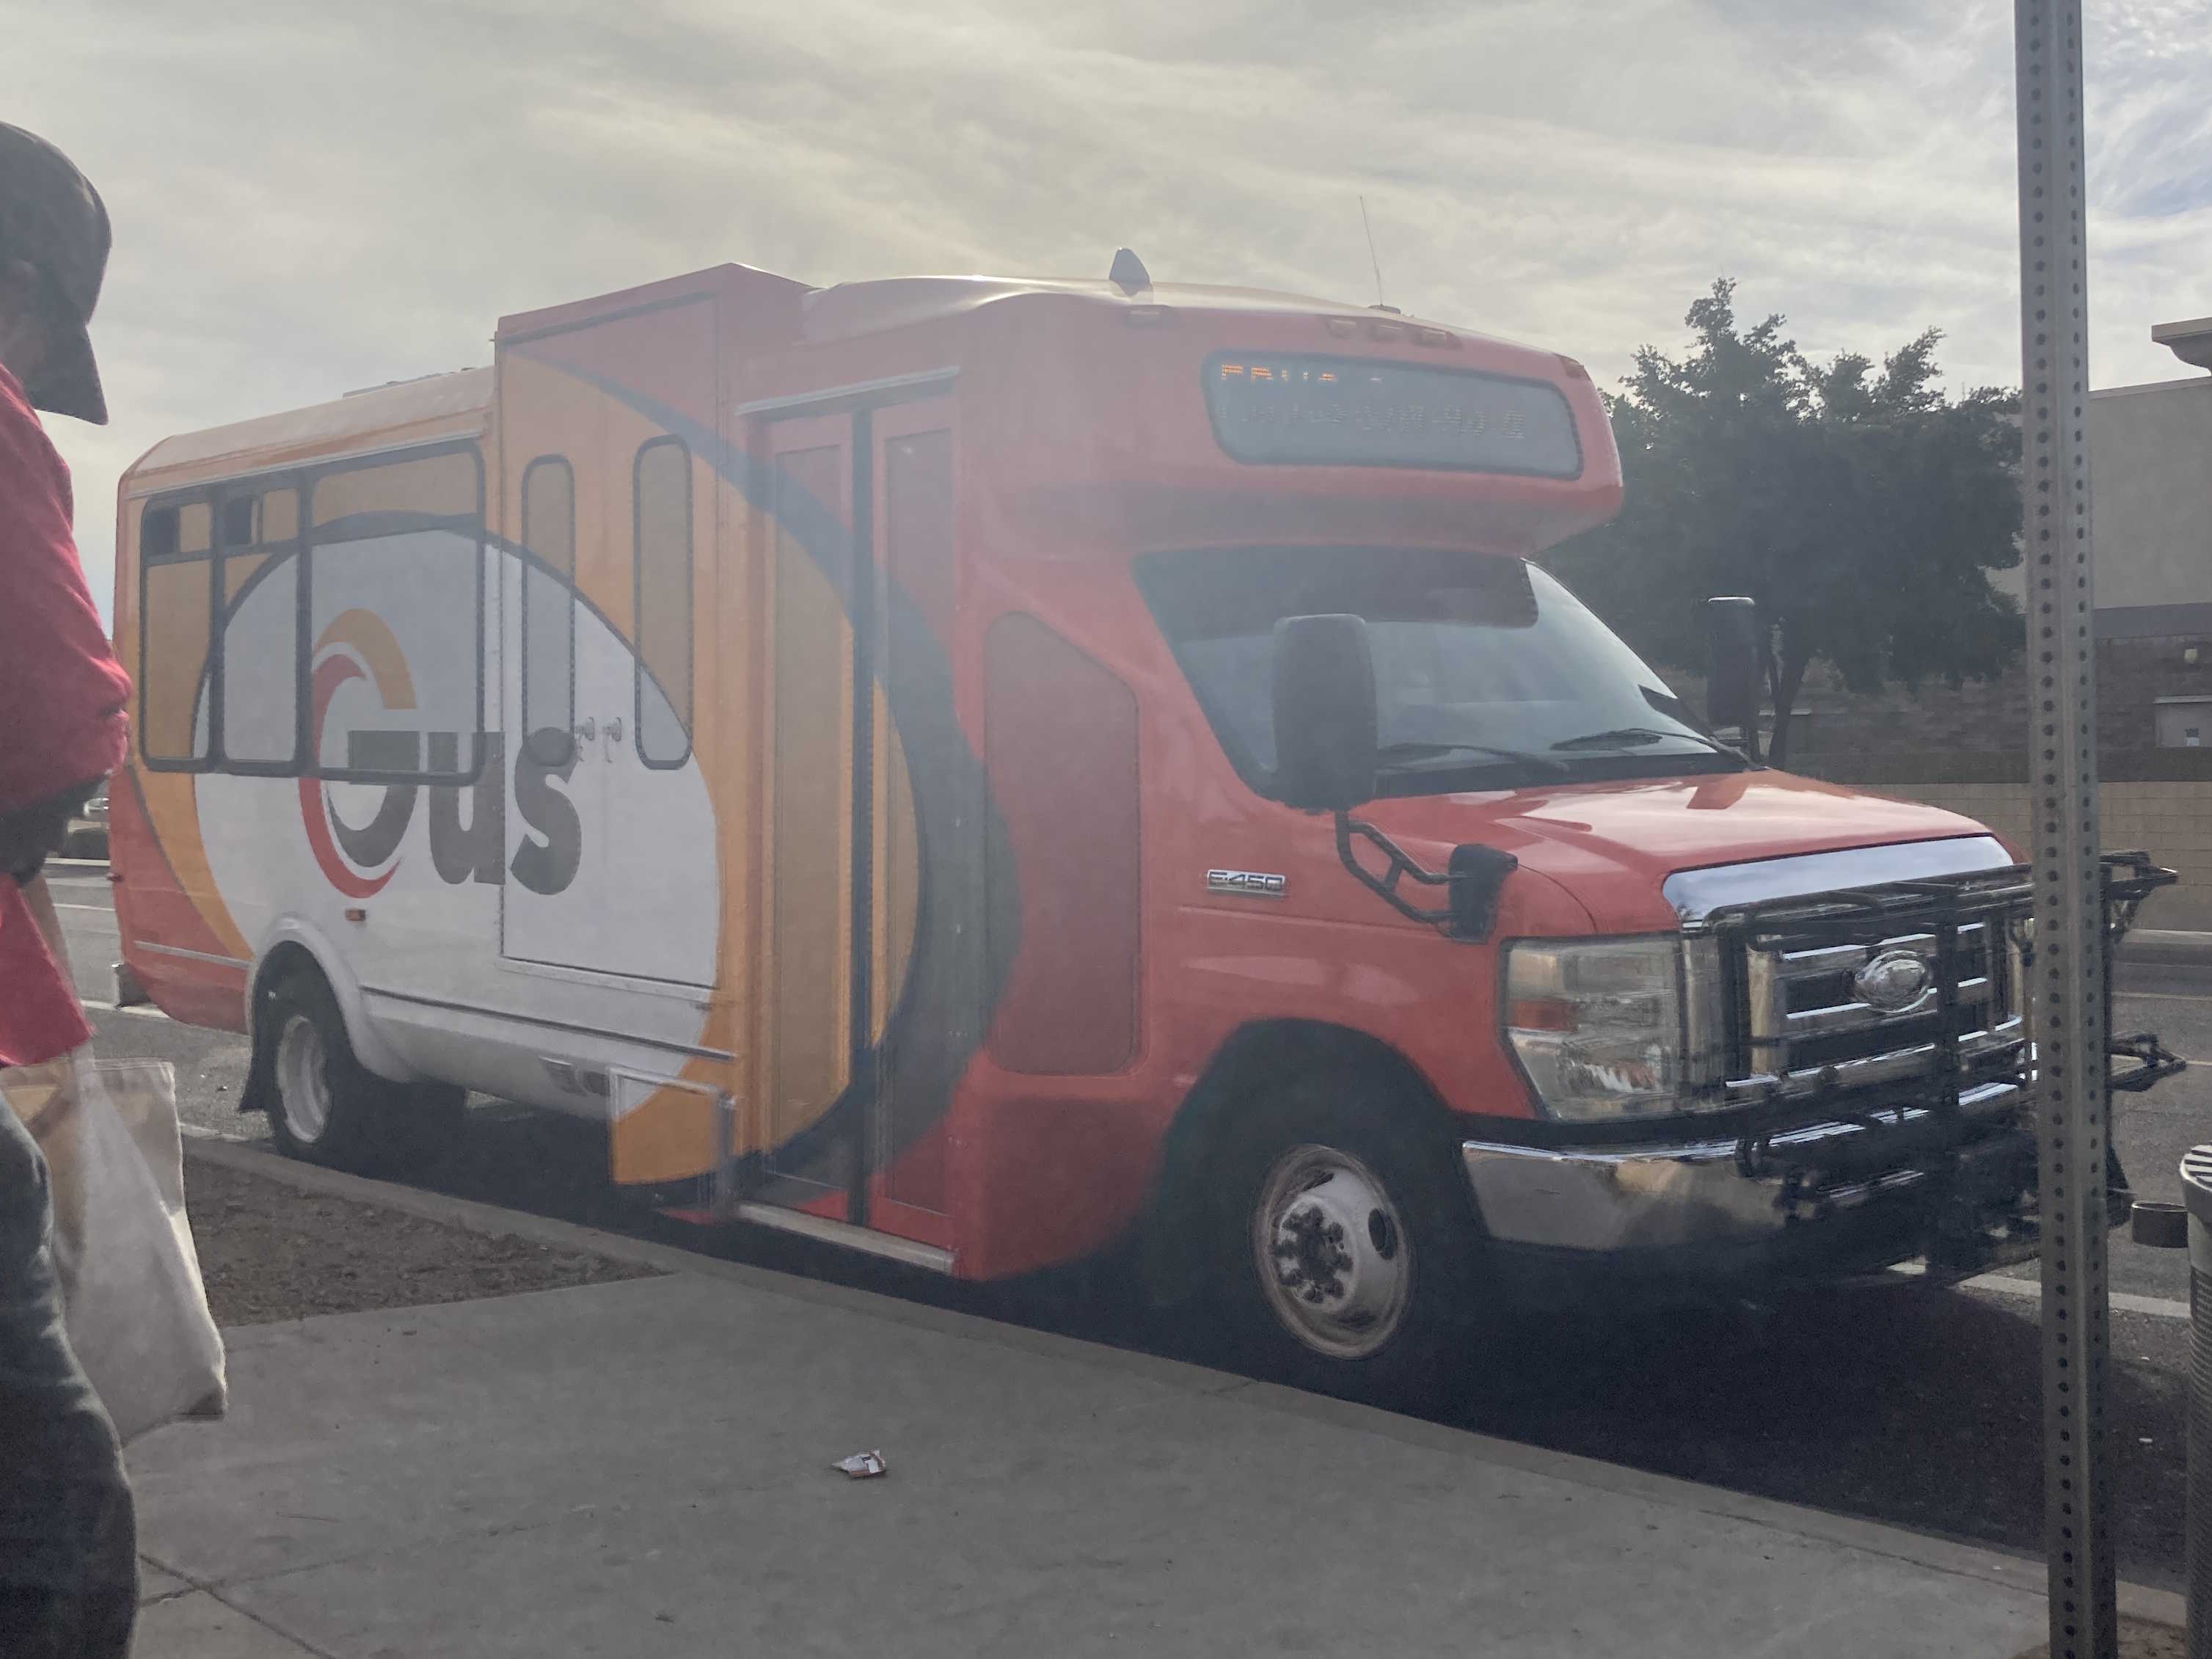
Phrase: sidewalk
{"type": "Point", "coordinates": [642, 1468]}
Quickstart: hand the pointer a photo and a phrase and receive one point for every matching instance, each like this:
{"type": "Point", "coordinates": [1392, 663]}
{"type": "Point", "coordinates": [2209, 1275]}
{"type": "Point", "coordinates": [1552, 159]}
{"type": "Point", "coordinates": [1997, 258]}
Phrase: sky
{"type": "Point", "coordinates": [309, 198]}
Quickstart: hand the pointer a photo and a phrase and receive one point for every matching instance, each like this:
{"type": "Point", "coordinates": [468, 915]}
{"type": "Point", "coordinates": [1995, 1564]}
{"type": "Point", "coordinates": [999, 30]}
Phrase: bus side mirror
{"type": "Point", "coordinates": [1325, 731]}
{"type": "Point", "coordinates": [1732, 682]}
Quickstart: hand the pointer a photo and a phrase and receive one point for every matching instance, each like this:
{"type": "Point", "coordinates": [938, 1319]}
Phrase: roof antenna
{"type": "Point", "coordinates": [1371, 259]}
{"type": "Point", "coordinates": [1128, 273]}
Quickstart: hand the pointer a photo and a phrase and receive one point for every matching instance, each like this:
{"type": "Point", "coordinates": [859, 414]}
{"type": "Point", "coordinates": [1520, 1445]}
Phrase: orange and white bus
{"type": "Point", "coordinates": [992, 772]}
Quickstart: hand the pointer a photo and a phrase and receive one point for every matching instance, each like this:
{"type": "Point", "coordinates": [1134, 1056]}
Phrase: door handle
{"type": "Point", "coordinates": [614, 730]}
{"type": "Point", "coordinates": [587, 728]}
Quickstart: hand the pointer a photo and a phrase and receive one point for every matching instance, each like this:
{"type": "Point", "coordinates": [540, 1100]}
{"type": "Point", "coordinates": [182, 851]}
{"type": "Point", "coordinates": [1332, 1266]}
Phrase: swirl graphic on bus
{"type": "Point", "coordinates": [357, 859]}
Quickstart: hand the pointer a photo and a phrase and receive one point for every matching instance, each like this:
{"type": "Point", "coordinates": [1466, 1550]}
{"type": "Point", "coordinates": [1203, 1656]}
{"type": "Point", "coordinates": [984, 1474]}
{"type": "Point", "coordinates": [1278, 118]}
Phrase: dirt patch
{"type": "Point", "coordinates": [269, 1251]}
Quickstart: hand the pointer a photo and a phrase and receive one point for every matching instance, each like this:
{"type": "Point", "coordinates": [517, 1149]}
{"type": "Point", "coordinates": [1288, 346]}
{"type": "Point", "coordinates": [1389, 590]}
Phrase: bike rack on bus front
{"type": "Point", "coordinates": [2129, 878]}
{"type": "Point", "coordinates": [1919, 1114]}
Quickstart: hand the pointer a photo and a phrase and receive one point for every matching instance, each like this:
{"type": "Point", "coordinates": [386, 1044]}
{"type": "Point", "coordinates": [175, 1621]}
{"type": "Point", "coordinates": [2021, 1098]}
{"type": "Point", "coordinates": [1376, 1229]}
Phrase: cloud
{"type": "Point", "coordinates": [309, 199]}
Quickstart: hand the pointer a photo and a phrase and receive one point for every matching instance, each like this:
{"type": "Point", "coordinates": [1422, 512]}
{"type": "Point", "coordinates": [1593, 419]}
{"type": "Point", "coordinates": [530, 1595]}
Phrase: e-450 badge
{"type": "Point", "coordinates": [1246, 884]}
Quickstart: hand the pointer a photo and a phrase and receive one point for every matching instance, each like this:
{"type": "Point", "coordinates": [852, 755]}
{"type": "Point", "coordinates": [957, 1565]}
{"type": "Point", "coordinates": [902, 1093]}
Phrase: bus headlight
{"type": "Point", "coordinates": [1600, 1025]}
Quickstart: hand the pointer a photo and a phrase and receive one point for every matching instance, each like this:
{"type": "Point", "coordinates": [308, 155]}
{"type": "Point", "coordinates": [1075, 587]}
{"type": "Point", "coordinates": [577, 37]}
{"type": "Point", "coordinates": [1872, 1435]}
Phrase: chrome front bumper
{"type": "Point", "coordinates": [1656, 1197]}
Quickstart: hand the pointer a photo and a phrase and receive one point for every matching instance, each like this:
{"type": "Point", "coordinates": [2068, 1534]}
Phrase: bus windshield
{"type": "Point", "coordinates": [1488, 673]}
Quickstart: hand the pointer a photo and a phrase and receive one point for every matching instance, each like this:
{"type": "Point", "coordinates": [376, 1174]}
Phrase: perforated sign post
{"type": "Point", "coordinates": [2068, 977]}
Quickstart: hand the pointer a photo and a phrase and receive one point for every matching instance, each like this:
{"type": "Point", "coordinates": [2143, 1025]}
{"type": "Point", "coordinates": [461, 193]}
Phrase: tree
{"type": "Point", "coordinates": [1863, 510]}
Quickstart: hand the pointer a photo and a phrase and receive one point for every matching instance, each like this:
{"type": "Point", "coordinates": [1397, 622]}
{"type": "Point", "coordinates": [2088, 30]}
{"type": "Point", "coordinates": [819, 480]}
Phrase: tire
{"type": "Point", "coordinates": [1346, 1249]}
{"type": "Point", "coordinates": [325, 1107]}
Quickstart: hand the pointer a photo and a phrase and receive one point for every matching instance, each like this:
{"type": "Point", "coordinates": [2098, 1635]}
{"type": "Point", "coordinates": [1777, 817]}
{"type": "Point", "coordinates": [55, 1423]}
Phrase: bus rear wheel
{"type": "Point", "coordinates": [1344, 1257]}
{"type": "Point", "coordinates": [326, 1108]}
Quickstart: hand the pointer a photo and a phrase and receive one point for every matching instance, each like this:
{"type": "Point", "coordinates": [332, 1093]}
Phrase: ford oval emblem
{"type": "Point", "coordinates": [1894, 981]}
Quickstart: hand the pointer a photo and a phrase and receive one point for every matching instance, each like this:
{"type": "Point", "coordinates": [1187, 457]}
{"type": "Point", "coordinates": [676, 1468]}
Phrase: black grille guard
{"type": "Point", "coordinates": [1938, 907]}
{"type": "Point", "coordinates": [1927, 1105]}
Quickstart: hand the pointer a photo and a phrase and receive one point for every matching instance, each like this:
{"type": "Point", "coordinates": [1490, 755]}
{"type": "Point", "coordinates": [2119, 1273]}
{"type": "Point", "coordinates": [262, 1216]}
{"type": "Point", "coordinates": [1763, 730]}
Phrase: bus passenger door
{"type": "Point", "coordinates": [660, 828]}
{"type": "Point", "coordinates": [617, 867]}
{"type": "Point", "coordinates": [549, 899]}
{"type": "Point", "coordinates": [871, 888]}
{"type": "Point", "coordinates": [925, 818]}
{"type": "Point", "coordinates": [807, 1109]}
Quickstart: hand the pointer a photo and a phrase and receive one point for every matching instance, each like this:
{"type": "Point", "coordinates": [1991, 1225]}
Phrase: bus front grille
{"type": "Point", "coordinates": [1912, 990]}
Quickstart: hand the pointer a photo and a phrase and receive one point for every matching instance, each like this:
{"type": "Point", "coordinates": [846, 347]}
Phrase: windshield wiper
{"type": "Point", "coordinates": [1416, 752]}
{"type": "Point", "coordinates": [1634, 736]}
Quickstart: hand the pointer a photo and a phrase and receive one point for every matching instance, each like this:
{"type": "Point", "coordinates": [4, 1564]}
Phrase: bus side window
{"type": "Point", "coordinates": [395, 594]}
{"type": "Point", "coordinates": [259, 601]}
{"type": "Point", "coordinates": [663, 599]}
{"type": "Point", "coordinates": [176, 600]}
{"type": "Point", "coordinates": [549, 611]}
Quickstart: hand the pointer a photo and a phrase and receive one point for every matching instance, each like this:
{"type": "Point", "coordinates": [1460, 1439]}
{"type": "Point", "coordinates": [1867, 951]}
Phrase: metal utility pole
{"type": "Point", "coordinates": [2068, 976]}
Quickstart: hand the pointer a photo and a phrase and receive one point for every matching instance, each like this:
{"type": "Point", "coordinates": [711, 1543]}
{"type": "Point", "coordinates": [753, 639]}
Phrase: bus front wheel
{"type": "Point", "coordinates": [1345, 1257]}
{"type": "Point", "coordinates": [326, 1108]}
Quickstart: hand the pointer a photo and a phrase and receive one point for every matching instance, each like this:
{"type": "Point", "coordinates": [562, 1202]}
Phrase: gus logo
{"type": "Point", "coordinates": [358, 831]}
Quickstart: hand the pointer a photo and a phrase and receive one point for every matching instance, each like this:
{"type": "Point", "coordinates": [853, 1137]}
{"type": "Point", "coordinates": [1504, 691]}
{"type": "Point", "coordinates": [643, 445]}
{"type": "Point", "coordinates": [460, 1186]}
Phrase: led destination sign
{"type": "Point", "coordinates": [1351, 411]}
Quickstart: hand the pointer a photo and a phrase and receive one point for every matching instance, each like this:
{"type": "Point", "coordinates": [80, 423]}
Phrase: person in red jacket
{"type": "Point", "coordinates": [68, 1532]}
{"type": "Point", "coordinates": [62, 692]}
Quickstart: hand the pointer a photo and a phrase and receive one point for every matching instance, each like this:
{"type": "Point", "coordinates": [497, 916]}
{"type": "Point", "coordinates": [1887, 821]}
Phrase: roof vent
{"type": "Point", "coordinates": [1128, 273]}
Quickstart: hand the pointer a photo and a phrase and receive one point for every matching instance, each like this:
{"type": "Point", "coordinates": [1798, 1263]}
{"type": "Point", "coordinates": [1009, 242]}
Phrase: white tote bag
{"type": "Point", "coordinates": [131, 1297]}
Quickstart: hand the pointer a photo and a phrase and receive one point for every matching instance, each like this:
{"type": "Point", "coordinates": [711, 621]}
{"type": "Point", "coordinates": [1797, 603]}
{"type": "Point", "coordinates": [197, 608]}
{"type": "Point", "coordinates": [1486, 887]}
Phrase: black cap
{"type": "Point", "coordinates": [51, 217]}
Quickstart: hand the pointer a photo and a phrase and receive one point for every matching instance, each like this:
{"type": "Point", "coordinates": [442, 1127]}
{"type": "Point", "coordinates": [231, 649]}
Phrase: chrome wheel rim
{"type": "Point", "coordinates": [303, 1087]}
{"type": "Point", "coordinates": [1334, 1260]}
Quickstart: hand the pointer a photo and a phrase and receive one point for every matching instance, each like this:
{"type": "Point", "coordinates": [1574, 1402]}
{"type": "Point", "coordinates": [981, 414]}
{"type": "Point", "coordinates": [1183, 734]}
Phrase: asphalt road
{"type": "Point", "coordinates": [1897, 1402]}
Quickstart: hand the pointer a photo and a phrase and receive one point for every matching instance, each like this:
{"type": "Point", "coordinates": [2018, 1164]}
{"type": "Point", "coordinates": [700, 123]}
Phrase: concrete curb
{"type": "Point", "coordinates": [2165, 947]}
{"type": "Point", "coordinates": [2023, 1574]}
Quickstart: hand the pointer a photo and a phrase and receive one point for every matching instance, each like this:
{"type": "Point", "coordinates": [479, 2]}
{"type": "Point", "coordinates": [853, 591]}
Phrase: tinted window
{"type": "Point", "coordinates": [176, 721]}
{"type": "Point", "coordinates": [259, 662]}
{"type": "Point", "coordinates": [157, 533]}
{"type": "Point", "coordinates": [663, 575]}
{"type": "Point", "coordinates": [549, 611]}
{"type": "Point", "coordinates": [395, 647]}
{"type": "Point", "coordinates": [261, 659]}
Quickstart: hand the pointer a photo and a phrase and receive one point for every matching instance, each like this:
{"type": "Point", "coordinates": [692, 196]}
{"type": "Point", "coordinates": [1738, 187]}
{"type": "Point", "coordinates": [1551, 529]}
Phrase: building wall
{"type": "Point", "coordinates": [2150, 494]}
{"type": "Point", "coordinates": [2170, 819]}
{"type": "Point", "coordinates": [2132, 674]}
{"type": "Point", "coordinates": [2150, 509]}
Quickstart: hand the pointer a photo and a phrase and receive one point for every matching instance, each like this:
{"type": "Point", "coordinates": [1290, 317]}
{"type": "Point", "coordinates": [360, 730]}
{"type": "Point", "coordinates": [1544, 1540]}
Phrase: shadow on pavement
{"type": "Point", "coordinates": [1907, 1404]}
